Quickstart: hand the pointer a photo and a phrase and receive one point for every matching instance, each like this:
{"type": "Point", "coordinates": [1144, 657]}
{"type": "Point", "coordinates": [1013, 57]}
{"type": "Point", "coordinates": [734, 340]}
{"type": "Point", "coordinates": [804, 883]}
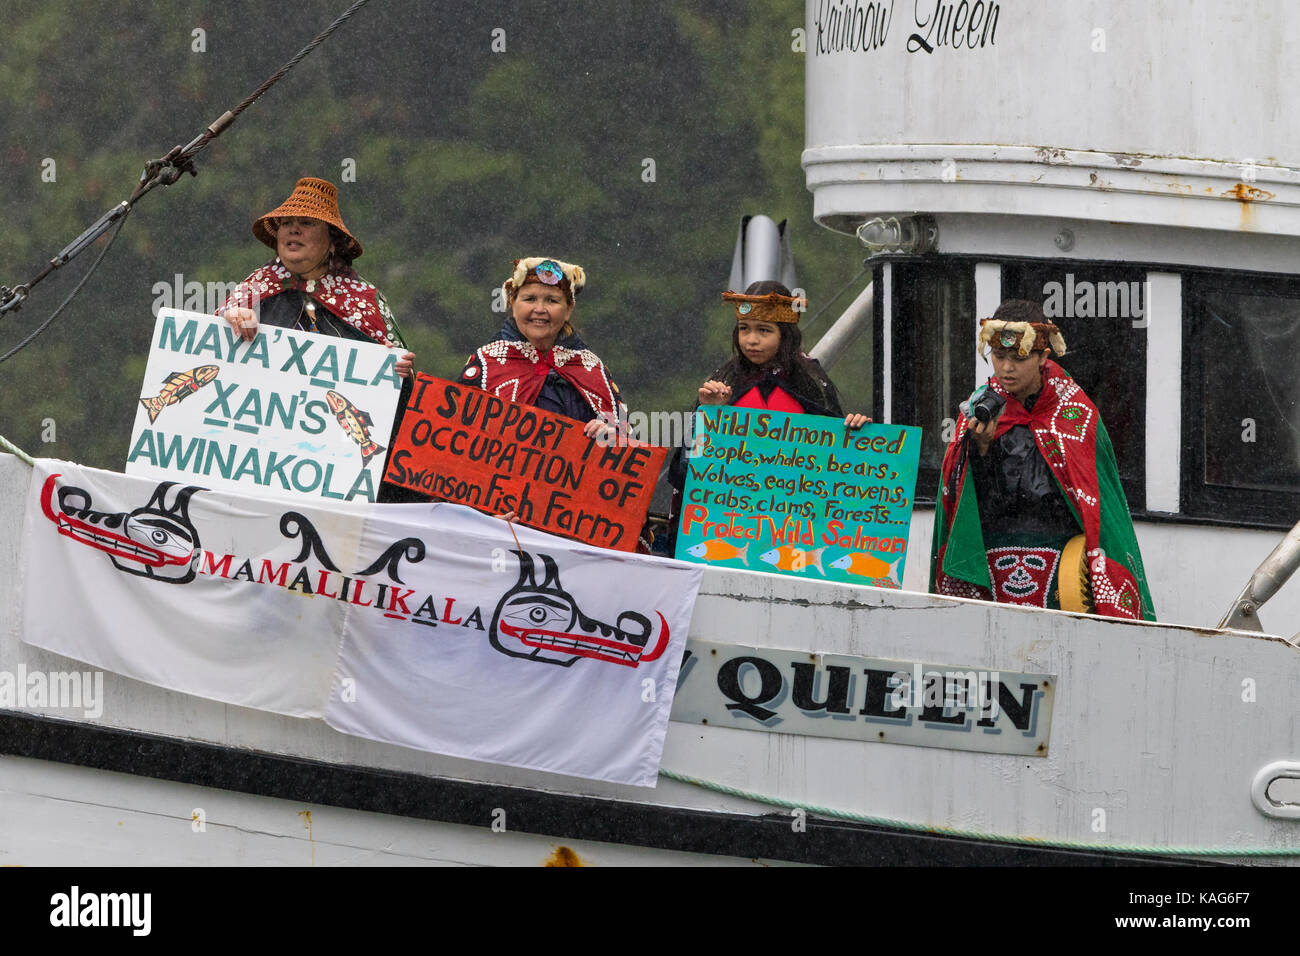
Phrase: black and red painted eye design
{"type": "Point", "coordinates": [157, 541]}
{"type": "Point", "coordinates": [541, 621]}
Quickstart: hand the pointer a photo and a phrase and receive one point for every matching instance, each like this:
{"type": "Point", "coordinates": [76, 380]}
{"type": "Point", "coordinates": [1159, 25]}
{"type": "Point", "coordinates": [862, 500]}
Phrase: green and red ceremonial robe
{"type": "Point", "coordinates": [1070, 436]}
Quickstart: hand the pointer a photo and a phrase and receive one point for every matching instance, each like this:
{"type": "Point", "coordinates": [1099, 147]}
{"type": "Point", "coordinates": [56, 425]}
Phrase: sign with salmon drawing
{"type": "Point", "coordinates": [290, 414]}
{"type": "Point", "coordinates": [799, 494]}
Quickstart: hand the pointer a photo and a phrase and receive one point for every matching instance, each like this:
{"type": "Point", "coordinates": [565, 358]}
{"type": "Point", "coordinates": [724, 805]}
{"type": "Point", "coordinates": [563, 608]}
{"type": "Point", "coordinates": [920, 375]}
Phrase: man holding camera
{"type": "Point", "coordinates": [1031, 510]}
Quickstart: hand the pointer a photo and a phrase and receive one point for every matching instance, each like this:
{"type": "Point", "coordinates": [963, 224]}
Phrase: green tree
{"type": "Point", "coordinates": [465, 158]}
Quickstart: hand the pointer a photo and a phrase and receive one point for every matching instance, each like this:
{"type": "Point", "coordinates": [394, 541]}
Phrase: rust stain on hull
{"type": "Point", "coordinates": [306, 820]}
{"type": "Point", "coordinates": [1247, 193]}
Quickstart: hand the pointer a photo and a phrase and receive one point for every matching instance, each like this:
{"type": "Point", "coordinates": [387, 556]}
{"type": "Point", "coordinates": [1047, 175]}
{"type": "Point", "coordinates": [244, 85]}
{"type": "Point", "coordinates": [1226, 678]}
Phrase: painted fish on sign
{"type": "Point", "coordinates": [177, 387]}
{"type": "Point", "coordinates": [355, 423]}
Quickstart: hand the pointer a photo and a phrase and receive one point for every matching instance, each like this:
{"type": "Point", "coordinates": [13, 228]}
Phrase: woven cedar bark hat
{"type": "Point", "coordinates": [772, 307]}
{"type": "Point", "coordinates": [316, 199]}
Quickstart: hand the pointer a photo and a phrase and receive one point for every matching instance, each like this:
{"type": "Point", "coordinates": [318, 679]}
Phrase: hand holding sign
{"type": "Point", "coordinates": [715, 393]}
{"type": "Point", "coordinates": [243, 321]}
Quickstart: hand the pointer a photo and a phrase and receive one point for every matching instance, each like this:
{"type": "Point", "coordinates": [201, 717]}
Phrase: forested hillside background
{"type": "Point", "coordinates": [464, 159]}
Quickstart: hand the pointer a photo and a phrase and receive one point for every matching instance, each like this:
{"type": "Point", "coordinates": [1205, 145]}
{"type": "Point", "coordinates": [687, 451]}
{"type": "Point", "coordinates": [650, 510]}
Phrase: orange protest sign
{"type": "Point", "coordinates": [470, 447]}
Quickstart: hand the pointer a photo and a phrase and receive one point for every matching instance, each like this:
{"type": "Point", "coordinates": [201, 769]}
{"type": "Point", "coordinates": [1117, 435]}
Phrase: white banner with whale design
{"type": "Point", "coordinates": [290, 414]}
{"type": "Point", "coordinates": [426, 625]}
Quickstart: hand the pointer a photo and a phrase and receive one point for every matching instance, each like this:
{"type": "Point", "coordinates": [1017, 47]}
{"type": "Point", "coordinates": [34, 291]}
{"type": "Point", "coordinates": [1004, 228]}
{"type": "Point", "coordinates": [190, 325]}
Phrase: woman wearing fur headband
{"type": "Point", "coordinates": [537, 358]}
{"type": "Point", "coordinates": [1031, 510]}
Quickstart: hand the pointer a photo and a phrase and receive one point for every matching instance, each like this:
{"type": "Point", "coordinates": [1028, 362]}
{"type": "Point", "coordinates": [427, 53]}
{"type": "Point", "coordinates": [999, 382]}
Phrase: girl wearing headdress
{"type": "Point", "coordinates": [767, 370]}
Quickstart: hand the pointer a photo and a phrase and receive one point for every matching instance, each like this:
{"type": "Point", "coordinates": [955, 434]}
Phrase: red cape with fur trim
{"type": "Point", "coordinates": [517, 371]}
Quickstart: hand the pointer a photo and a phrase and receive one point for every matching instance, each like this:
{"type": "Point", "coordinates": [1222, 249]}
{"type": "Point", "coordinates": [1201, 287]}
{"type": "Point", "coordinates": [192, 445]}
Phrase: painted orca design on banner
{"type": "Point", "coordinates": [540, 621]}
{"type": "Point", "coordinates": [157, 541]}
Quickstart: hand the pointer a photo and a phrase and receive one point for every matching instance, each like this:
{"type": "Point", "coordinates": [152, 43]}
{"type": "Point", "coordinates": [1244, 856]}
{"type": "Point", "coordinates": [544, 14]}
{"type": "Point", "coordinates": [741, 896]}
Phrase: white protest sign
{"type": "Point", "coordinates": [289, 414]}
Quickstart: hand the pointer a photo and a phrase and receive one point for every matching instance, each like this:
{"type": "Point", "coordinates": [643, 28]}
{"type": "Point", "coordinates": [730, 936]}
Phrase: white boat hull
{"type": "Point", "coordinates": [1154, 744]}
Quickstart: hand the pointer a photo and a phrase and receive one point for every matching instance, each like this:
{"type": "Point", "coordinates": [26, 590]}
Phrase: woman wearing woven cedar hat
{"type": "Point", "coordinates": [310, 284]}
{"type": "Point", "coordinates": [767, 370]}
{"type": "Point", "coordinates": [1031, 510]}
{"type": "Point", "coordinates": [537, 358]}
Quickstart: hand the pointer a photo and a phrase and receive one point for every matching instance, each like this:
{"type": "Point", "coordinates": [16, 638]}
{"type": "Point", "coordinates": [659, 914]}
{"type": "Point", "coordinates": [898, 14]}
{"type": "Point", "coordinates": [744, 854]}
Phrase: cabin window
{"type": "Point", "coordinates": [1241, 400]}
{"type": "Point", "coordinates": [1101, 311]}
{"type": "Point", "coordinates": [933, 355]}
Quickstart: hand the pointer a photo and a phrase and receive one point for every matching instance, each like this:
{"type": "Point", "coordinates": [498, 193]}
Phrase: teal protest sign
{"type": "Point", "coordinates": [798, 494]}
{"type": "Point", "coordinates": [289, 414]}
